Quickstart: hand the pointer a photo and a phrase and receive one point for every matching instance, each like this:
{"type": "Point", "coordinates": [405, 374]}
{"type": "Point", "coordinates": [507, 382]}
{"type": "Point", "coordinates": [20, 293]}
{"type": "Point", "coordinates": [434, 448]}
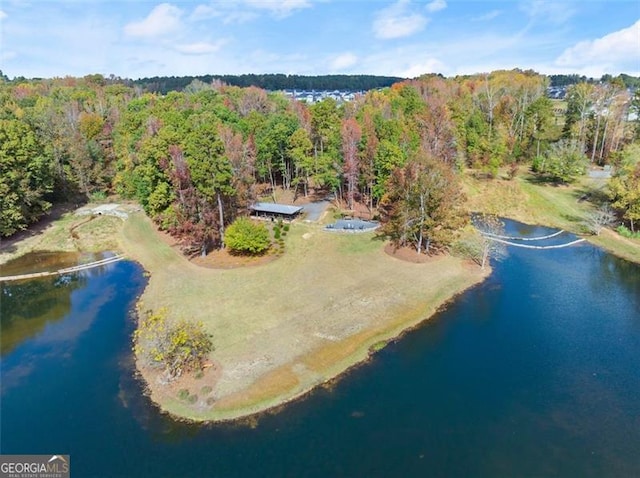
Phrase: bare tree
{"type": "Point", "coordinates": [479, 245]}
{"type": "Point", "coordinates": [597, 220]}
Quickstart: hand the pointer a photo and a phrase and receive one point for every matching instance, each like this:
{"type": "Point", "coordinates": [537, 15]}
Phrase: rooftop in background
{"type": "Point", "coordinates": [274, 208]}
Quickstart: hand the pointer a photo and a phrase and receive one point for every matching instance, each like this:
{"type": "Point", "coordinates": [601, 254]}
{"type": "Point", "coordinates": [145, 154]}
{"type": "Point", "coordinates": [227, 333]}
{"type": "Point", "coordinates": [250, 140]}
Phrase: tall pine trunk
{"type": "Point", "coordinates": [221, 218]}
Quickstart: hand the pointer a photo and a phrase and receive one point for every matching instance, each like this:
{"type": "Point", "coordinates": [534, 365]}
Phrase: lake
{"type": "Point", "coordinates": [535, 372]}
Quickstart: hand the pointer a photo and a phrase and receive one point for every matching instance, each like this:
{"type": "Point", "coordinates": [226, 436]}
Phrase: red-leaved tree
{"type": "Point", "coordinates": [351, 134]}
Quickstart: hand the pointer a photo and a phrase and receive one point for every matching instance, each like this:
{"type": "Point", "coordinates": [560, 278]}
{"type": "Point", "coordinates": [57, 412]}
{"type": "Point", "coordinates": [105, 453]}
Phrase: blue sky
{"type": "Point", "coordinates": [45, 38]}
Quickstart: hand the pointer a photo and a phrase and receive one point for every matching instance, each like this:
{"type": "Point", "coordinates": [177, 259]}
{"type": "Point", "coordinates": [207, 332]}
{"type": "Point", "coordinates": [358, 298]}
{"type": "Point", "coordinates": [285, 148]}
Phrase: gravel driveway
{"type": "Point", "coordinates": [315, 209]}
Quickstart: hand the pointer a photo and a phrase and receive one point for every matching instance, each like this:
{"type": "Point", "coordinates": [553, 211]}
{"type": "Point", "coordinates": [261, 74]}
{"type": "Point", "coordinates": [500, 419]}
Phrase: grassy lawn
{"type": "Point", "coordinates": [69, 233]}
{"type": "Point", "coordinates": [282, 328]}
{"type": "Point", "coordinates": [530, 201]}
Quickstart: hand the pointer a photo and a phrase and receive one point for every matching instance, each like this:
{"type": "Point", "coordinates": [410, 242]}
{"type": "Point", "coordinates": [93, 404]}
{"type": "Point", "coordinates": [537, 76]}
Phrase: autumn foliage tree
{"type": "Point", "coordinates": [351, 134]}
{"type": "Point", "coordinates": [422, 207]}
{"type": "Point", "coordinates": [624, 187]}
{"type": "Point", "coordinates": [25, 177]}
{"type": "Point", "coordinates": [174, 346]}
{"type": "Point", "coordinates": [193, 219]}
{"type": "Point", "coordinates": [196, 159]}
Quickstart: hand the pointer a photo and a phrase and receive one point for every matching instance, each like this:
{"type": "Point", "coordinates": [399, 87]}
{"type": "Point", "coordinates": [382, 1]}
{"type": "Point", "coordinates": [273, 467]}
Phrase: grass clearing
{"type": "Point", "coordinates": [282, 328]}
{"type": "Point", "coordinates": [528, 200]}
{"type": "Point", "coordinates": [69, 233]}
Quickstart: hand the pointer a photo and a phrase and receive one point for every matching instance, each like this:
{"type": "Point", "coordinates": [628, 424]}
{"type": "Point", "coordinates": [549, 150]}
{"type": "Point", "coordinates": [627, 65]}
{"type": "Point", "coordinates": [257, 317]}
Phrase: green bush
{"type": "Point", "coordinates": [564, 162]}
{"type": "Point", "coordinates": [246, 237]}
{"type": "Point", "coordinates": [276, 232]}
{"type": "Point", "coordinates": [183, 394]}
{"type": "Point", "coordinates": [625, 232]}
{"type": "Point", "coordinates": [176, 346]}
{"type": "Point", "coordinates": [98, 196]}
{"type": "Point", "coordinates": [286, 227]}
{"type": "Point", "coordinates": [192, 399]}
{"type": "Point", "coordinates": [206, 390]}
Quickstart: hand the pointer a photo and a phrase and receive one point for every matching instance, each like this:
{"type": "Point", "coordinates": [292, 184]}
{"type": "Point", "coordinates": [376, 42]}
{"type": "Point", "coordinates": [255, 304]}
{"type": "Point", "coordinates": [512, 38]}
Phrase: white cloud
{"type": "Point", "coordinates": [343, 61]}
{"type": "Point", "coordinates": [436, 5]}
{"type": "Point", "coordinates": [204, 12]}
{"type": "Point", "coordinates": [200, 48]}
{"type": "Point", "coordinates": [432, 65]}
{"type": "Point", "coordinates": [228, 12]}
{"type": "Point", "coordinates": [163, 19]}
{"type": "Point", "coordinates": [280, 8]}
{"type": "Point", "coordinates": [3, 15]}
{"type": "Point", "coordinates": [7, 55]}
{"type": "Point", "coordinates": [621, 47]}
{"type": "Point", "coordinates": [488, 16]}
{"type": "Point", "coordinates": [396, 21]}
{"type": "Point", "coordinates": [549, 11]}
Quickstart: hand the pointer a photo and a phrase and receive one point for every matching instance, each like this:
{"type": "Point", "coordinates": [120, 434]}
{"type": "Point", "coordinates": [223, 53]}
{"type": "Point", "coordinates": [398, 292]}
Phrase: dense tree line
{"type": "Point", "coordinates": [272, 82]}
{"type": "Point", "coordinates": [632, 82]}
{"type": "Point", "coordinates": [196, 159]}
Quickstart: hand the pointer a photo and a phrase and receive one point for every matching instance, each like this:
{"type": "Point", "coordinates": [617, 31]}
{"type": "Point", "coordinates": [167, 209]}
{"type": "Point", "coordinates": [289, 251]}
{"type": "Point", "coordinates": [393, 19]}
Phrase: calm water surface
{"type": "Point", "coordinates": [535, 372]}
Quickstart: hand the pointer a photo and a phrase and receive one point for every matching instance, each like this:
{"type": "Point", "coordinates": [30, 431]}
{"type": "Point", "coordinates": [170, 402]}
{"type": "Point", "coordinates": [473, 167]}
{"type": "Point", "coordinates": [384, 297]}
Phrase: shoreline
{"type": "Point", "coordinates": [276, 358]}
{"type": "Point", "coordinates": [277, 403]}
{"type": "Point", "coordinates": [257, 369]}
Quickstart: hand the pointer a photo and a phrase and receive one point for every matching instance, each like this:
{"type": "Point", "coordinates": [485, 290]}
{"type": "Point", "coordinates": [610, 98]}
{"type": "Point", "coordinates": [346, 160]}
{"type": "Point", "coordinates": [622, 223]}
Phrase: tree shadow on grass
{"type": "Point", "coordinates": [543, 180]}
{"type": "Point", "coordinates": [249, 255]}
{"type": "Point", "coordinates": [572, 218]}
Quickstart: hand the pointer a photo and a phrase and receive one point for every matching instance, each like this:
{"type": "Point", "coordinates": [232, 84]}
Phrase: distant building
{"type": "Point", "coordinates": [275, 211]}
{"type": "Point", "coordinates": [314, 96]}
{"type": "Point", "coordinates": [557, 92]}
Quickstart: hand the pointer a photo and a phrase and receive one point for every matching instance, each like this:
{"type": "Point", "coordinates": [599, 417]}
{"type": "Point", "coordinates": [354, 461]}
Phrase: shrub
{"type": "Point", "coordinates": [286, 227]}
{"type": "Point", "coordinates": [183, 394]}
{"type": "Point", "coordinates": [564, 162]}
{"type": "Point", "coordinates": [625, 232]}
{"type": "Point", "coordinates": [192, 399]}
{"type": "Point", "coordinates": [206, 390]}
{"type": "Point", "coordinates": [246, 237]}
{"type": "Point", "coordinates": [378, 346]}
{"type": "Point", "coordinates": [175, 346]}
{"type": "Point", "coordinates": [98, 196]}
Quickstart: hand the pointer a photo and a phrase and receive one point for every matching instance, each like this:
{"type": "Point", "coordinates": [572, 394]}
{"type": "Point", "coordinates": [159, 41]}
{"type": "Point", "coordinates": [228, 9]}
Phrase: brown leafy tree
{"type": "Point", "coordinates": [194, 221]}
{"type": "Point", "coordinates": [368, 156]}
{"type": "Point", "coordinates": [422, 206]}
{"type": "Point", "coordinates": [351, 134]}
{"type": "Point", "coordinates": [242, 156]}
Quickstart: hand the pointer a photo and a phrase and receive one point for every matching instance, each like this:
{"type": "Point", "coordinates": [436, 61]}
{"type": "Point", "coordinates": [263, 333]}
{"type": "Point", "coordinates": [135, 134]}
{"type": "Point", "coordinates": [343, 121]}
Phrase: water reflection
{"type": "Point", "coordinates": [28, 306]}
{"type": "Point", "coordinates": [532, 373]}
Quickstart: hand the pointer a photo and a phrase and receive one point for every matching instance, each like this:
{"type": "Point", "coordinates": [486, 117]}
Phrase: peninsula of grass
{"type": "Point", "coordinates": [287, 326]}
{"type": "Point", "coordinates": [284, 326]}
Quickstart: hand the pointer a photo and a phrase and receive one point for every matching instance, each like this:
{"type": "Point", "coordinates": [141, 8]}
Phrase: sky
{"type": "Point", "coordinates": [405, 38]}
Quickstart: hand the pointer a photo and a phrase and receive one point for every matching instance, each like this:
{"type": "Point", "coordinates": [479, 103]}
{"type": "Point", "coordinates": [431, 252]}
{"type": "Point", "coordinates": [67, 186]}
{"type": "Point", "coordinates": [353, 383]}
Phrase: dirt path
{"type": "Point", "coordinates": [315, 210]}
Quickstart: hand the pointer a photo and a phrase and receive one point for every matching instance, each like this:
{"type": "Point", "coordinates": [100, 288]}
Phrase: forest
{"type": "Point", "coordinates": [271, 82]}
{"type": "Point", "coordinates": [196, 159]}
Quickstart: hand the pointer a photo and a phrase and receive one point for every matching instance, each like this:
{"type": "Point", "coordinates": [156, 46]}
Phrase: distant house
{"type": "Point", "coordinates": [275, 211]}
